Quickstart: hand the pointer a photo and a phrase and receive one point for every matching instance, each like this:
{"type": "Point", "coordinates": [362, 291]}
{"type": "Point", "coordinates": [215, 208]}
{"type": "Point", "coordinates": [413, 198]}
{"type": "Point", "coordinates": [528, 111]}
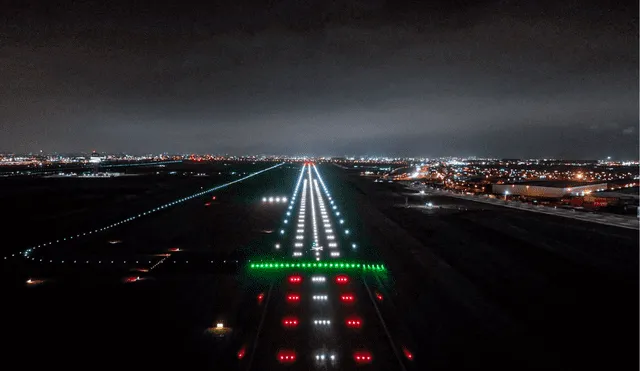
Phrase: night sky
{"type": "Point", "coordinates": [424, 78]}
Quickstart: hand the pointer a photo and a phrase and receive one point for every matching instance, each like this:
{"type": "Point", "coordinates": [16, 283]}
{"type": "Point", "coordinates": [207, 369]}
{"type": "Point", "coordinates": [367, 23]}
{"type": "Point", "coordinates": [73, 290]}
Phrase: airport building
{"type": "Point", "coordinates": [548, 189]}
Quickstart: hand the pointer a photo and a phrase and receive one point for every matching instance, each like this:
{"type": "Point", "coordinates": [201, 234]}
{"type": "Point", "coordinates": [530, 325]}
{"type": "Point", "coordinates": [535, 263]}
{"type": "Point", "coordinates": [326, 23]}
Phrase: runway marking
{"type": "Point", "coordinates": [264, 314]}
{"type": "Point", "coordinates": [384, 325]}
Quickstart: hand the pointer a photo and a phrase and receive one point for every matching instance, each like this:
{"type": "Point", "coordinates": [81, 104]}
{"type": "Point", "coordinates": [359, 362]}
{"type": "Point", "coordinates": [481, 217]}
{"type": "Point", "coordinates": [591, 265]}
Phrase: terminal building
{"type": "Point", "coordinates": [548, 189]}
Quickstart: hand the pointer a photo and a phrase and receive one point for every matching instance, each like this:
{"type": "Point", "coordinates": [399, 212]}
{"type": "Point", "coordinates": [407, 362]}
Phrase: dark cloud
{"type": "Point", "coordinates": [442, 78]}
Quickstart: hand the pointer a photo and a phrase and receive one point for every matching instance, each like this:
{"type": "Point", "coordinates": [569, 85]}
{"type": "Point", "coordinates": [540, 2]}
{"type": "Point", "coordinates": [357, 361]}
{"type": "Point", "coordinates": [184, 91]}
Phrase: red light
{"type": "Point", "coordinates": [241, 353]}
{"type": "Point", "coordinates": [295, 279]}
{"type": "Point", "coordinates": [342, 279]}
{"type": "Point", "coordinates": [290, 322]}
{"type": "Point", "coordinates": [379, 296]}
{"type": "Point", "coordinates": [353, 322]}
{"type": "Point", "coordinates": [286, 356]}
{"type": "Point", "coordinates": [407, 354]}
{"type": "Point", "coordinates": [347, 298]}
{"type": "Point", "coordinates": [207, 204]}
{"type": "Point", "coordinates": [362, 357]}
{"type": "Point", "coordinates": [213, 198]}
{"type": "Point", "coordinates": [293, 297]}
{"type": "Point", "coordinates": [260, 298]}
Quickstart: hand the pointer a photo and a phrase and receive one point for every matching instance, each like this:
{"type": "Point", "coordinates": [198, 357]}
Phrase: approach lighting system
{"type": "Point", "coordinates": [407, 354]}
{"type": "Point", "coordinates": [362, 357]}
{"type": "Point", "coordinates": [293, 298]}
{"type": "Point", "coordinates": [347, 298]}
{"type": "Point", "coordinates": [290, 322]}
{"type": "Point", "coordinates": [286, 356]}
{"type": "Point", "coordinates": [353, 322]}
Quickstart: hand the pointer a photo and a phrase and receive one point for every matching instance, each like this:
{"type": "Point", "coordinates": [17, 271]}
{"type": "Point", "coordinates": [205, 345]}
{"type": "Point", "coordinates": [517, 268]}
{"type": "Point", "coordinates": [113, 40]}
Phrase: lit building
{"type": "Point", "coordinates": [95, 158]}
{"type": "Point", "coordinates": [543, 189]}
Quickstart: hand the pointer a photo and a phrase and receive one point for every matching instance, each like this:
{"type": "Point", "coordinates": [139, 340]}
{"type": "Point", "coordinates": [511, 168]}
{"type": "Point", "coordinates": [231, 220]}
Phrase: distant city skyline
{"type": "Point", "coordinates": [350, 157]}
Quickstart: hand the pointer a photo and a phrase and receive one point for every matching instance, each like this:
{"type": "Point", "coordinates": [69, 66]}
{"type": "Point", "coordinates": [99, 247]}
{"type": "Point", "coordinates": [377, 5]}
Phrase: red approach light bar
{"type": "Point", "coordinates": [347, 298]}
{"type": "Point", "coordinates": [241, 353]}
{"type": "Point", "coordinates": [362, 357]}
{"type": "Point", "coordinates": [294, 298]}
{"type": "Point", "coordinates": [295, 279]}
{"type": "Point", "coordinates": [353, 322]}
{"type": "Point", "coordinates": [286, 356]}
{"type": "Point", "coordinates": [407, 354]}
{"type": "Point", "coordinates": [290, 322]}
{"type": "Point", "coordinates": [342, 279]}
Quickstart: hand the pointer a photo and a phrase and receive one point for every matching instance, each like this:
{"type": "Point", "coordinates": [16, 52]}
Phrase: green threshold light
{"type": "Point", "coordinates": [283, 265]}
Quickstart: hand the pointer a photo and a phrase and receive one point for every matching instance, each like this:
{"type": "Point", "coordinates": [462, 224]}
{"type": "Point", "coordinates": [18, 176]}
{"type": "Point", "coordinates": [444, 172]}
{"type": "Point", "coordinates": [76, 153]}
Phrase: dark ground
{"type": "Point", "coordinates": [84, 316]}
{"type": "Point", "coordinates": [487, 285]}
{"type": "Point", "coordinates": [483, 288]}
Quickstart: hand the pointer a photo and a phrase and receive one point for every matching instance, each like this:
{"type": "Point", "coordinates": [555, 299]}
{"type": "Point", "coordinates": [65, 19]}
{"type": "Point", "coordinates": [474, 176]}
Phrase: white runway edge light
{"type": "Point", "coordinates": [272, 199]}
